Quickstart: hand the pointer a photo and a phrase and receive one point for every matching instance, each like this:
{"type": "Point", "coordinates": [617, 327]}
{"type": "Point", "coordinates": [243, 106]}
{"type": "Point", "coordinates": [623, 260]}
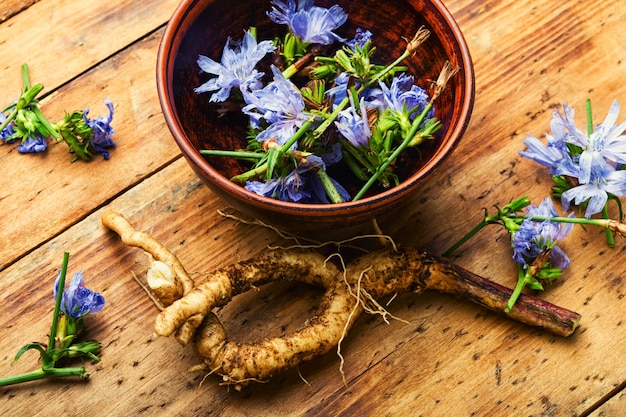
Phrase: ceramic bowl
{"type": "Point", "coordinates": [201, 27]}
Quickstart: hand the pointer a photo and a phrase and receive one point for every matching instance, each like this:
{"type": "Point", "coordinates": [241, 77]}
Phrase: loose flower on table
{"type": "Point", "coordinates": [72, 305]}
{"type": "Point", "coordinates": [588, 170]}
{"type": "Point", "coordinates": [587, 167]}
{"type": "Point", "coordinates": [26, 124]}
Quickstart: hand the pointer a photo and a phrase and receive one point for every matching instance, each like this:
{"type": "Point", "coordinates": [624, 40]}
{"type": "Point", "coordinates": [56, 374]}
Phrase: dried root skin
{"type": "Point", "coordinates": [198, 302]}
{"type": "Point", "coordinates": [375, 275]}
{"type": "Point", "coordinates": [132, 237]}
{"type": "Point", "coordinates": [219, 287]}
{"type": "Point", "coordinates": [388, 271]}
{"type": "Point", "coordinates": [240, 363]}
{"type": "Point", "coordinates": [452, 279]}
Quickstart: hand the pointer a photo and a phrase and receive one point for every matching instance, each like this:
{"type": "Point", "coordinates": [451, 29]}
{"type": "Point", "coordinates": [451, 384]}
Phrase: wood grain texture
{"type": "Point", "coordinates": [12, 7]}
{"type": "Point", "coordinates": [72, 190]}
{"type": "Point", "coordinates": [451, 359]}
{"type": "Point", "coordinates": [60, 41]}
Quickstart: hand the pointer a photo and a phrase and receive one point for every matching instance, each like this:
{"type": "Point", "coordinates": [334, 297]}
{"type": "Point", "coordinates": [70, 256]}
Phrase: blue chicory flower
{"type": "Point", "coordinates": [299, 186]}
{"type": "Point", "coordinates": [402, 97]}
{"type": "Point", "coordinates": [33, 144]}
{"type": "Point", "coordinates": [237, 67]}
{"type": "Point", "coordinates": [6, 135]}
{"type": "Point", "coordinates": [360, 39]}
{"type": "Point", "coordinates": [77, 300]}
{"type": "Point", "coordinates": [555, 156]}
{"type": "Point", "coordinates": [606, 142]}
{"type": "Point", "coordinates": [102, 130]}
{"type": "Point", "coordinates": [312, 24]}
{"type": "Point", "coordinates": [534, 237]}
{"type": "Point", "coordinates": [280, 104]}
{"type": "Point", "coordinates": [596, 192]}
{"type": "Point", "coordinates": [596, 166]}
{"type": "Point", "coordinates": [354, 125]}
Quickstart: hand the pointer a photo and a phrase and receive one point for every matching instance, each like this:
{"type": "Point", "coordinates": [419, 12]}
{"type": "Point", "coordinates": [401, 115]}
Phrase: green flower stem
{"type": "Point", "coordinates": [342, 105]}
{"type": "Point", "coordinates": [242, 178]}
{"type": "Point", "coordinates": [329, 187]}
{"type": "Point", "coordinates": [589, 118]}
{"type": "Point", "coordinates": [290, 71]}
{"type": "Point", "coordinates": [390, 67]}
{"type": "Point", "coordinates": [522, 279]}
{"type": "Point", "coordinates": [609, 235]}
{"type": "Point", "coordinates": [407, 140]}
{"type": "Point", "coordinates": [233, 154]}
{"type": "Point", "coordinates": [575, 220]}
{"type": "Point", "coordinates": [57, 303]}
{"type": "Point", "coordinates": [495, 219]}
{"type": "Point", "coordinates": [43, 374]}
{"type": "Point", "coordinates": [45, 123]}
{"type": "Point", "coordinates": [319, 131]}
{"type": "Point", "coordinates": [9, 119]}
{"type": "Point", "coordinates": [467, 236]}
{"type": "Point", "coordinates": [248, 175]}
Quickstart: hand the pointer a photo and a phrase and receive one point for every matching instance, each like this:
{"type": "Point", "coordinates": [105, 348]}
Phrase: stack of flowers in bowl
{"type": "Point", "coordinates": [301, 113]}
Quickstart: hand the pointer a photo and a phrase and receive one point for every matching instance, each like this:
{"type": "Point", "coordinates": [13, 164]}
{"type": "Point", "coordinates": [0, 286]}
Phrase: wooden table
{"type": "Point", "coordinates": [451, 359]}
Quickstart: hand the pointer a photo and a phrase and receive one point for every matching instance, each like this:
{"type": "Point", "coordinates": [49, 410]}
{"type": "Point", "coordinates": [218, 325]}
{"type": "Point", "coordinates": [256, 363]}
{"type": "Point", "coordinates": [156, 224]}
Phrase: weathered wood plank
{"type": "Point", "coordinates": [70, 191]}
{"type": "Point", "coordinates": [12, 7]}
{"type": "Point", "coordinates": [60, 40]}
{"type": "Point", "coordinates": [452, 359]}
{"type": "Point", "coordinates": [489, 362]}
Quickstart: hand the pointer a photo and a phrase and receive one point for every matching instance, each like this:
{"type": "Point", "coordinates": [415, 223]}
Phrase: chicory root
{"type": "Point", "coordinates": [166, 291]}
{"type": "Point", "coordinates": [348, 292]}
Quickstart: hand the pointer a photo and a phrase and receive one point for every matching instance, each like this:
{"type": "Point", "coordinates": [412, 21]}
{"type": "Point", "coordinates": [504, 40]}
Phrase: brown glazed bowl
{"type": "Point", "coordinates": [201, 27]}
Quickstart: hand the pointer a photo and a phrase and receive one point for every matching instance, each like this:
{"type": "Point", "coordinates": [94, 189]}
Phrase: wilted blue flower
{"type": "Point", "coordinates": [6, 133]}
{"type": "Point", "coordinates": [288, 188]}
{"type": "Point", "coordinates": [237, 68]}
{"type": "Point", "coordinates": [31, 141]}
{"type": "Point", "coordinates": [360, 38]}
{"type": "Point", "coordinates": [77, 300]}
{"type": "Point", "coordinates": [534, 237]}
{"type": "Point", "coordinates": [102, 130]}
{"type": "Point", "coordinates": [280, 104]}
{"type": "Point", "coordinates": [312, 24]}
{"type": "Point", "coordinates": [333, 156]}
{"type": "Point", "coordinates": [606, 142]}
{"type": "Point", "coordinates": [33, 144]}
{"type": "Point", "coordinates": [354, 126]}
{"type": "Point", "coordinates": [299, 186]}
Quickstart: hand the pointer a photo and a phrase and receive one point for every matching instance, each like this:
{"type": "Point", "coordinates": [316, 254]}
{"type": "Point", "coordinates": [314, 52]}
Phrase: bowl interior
{"type": "Point", "coordinates": [202, 27]}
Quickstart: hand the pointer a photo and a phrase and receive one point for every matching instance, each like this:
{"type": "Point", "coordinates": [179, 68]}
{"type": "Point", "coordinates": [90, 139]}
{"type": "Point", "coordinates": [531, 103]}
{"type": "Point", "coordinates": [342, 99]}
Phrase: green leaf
{"type": "Point", "coordinates": [272, 160]}
{"type": "Point", "coordinates": [34, 346]}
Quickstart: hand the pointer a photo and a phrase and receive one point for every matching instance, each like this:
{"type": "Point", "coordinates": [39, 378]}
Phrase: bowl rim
{"type": "Point", "coordinates": [225, 185]}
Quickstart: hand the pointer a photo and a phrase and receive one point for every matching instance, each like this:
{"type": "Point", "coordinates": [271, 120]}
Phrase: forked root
{"type": "Point", "coordinates": [374, 276]}
{"type": "Point", "coordinates": [175, 283]}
